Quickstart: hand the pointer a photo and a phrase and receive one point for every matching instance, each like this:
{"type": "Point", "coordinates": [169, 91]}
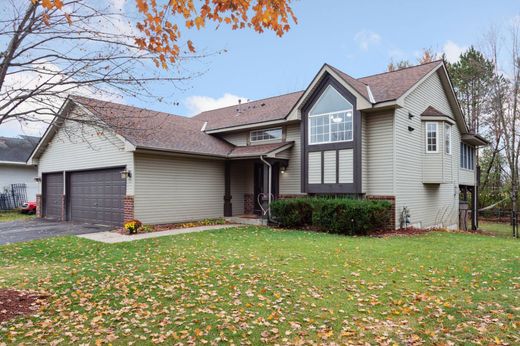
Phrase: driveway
{"type": "Point", "coordinates": [25, 230]}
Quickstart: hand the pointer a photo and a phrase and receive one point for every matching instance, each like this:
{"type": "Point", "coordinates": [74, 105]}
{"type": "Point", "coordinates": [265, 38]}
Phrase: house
{"type": "Point", "coordinates": [397, 136]}
{"type": "Point", "coordinates": [14, 169]}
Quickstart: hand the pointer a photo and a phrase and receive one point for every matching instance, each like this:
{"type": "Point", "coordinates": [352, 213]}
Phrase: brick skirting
{"type": "Point", "coordinates": [38, 205]}
{"type": "Point", "coordinates": [390, 199]}
{"type": "Point", "coordinates": [128, 211]}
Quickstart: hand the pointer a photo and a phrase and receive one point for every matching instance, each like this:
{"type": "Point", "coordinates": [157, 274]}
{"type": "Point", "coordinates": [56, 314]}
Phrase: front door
{"type": "Point", "coordinates": [261, 184]}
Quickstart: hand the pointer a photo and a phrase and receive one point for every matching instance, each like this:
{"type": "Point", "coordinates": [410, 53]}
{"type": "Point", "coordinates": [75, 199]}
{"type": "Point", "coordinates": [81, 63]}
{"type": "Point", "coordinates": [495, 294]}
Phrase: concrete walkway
{"type": "Point", "coordinates": [114, 237]}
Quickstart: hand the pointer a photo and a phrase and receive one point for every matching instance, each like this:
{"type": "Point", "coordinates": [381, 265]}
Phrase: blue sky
{"type": "Point", "coordinates": [360, 38]}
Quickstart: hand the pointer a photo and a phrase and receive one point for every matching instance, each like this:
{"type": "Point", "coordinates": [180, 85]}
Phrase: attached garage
{"type": "Point", "coordinates": [52, 195]}
{"type": "Point", "coordinates": [96, 196]}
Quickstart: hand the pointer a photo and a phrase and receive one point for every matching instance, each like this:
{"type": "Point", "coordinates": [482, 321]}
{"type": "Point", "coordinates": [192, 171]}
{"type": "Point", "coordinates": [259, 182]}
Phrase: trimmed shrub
{"type": "Point", "coordinates": [292, 212]}
{"type": "Point", "coordinates": [334, 215]}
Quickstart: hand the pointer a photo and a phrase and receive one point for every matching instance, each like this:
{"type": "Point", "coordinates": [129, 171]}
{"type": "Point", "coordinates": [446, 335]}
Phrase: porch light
{"type": "Point", "coordinates": [37, 179]}
{"type": "Point", "coordinates": [282, 169]}
{"type": "Point", "coordinates": [126, 174]}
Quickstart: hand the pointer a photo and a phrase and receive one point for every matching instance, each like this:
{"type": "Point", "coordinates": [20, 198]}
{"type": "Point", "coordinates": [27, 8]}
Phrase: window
{"type": "Point", "coordinates": [266, 134]}
{"type": "Point", "coordinates": [431, 137]}
{"type": "Point", "coordinates": [467, 156]}
{"type": "Point", "coordinates": [331, 118]}
{"type": "Point", "coordinates": [447, 139]}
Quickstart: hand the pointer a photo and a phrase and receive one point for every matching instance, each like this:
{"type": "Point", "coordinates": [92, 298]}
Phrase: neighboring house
{"type": "Point", "coordinates": [14, 169]}
{"type": "Point", "coordinates": [398, 136]}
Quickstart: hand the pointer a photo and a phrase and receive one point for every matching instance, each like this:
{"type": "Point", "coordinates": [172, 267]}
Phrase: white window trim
{"type": "Point", "coordinates": [251, 140]}
{"type": "Point", "coordinates": [329, 113]}
{"type": "Point", "coordinates": [436, 138]}
{"type": "Point", "coordinates": [447, 127]}
{"type": "Point", "coordinates": [330, 124]}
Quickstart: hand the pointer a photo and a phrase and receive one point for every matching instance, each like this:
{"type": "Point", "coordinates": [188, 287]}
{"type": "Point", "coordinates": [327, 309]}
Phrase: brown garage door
{"type": "Point", "coordinates": [52, 192]}
{"type": "Point", "coordinates": [97, 196]}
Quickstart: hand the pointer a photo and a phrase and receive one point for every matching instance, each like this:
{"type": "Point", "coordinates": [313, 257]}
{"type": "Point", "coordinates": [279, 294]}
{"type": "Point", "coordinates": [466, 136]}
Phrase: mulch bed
{"type": "Point", "coordinates": [15, 303]}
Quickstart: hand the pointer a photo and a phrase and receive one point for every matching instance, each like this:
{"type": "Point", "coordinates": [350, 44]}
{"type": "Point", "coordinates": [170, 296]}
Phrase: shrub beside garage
{"type": "Point", "coordinates": [334, 215]}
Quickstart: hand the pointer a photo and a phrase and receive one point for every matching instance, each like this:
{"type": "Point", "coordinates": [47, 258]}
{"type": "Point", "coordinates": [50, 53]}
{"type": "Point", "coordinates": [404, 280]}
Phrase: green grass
{"type": "Point", "coordinates": [497, 229]}
{"type": "Point", "coordinates": [254, 285]}
{"type": "Point", "coordinates": [13, 216]}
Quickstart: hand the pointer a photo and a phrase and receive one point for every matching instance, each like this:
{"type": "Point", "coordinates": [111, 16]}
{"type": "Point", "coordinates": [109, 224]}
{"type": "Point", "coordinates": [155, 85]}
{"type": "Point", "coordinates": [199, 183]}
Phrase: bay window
{"type": "Point", "coordinates": [431, 138]}
{"type": "Point", "coordinates": [447, 139]}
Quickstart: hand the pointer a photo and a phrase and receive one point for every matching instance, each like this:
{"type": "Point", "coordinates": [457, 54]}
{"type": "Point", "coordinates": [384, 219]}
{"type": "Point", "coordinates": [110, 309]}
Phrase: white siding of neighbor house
{"type": "Point", "coordinates": [329, 167]}
{"type": "Point", "coordinates": [380, 154]}
{"type": "Point", "coordinates": [346, 166]}
{"type": "Point", "coordinates": [314, 172]}
{"type": "Point", "coordinates": [241, 183]}
{"type": "Point", "coordinates": [290, 181]}
{"type": "Point", "coordinates": [429, 204]}
{"type": "Point", "coordinates": [81, 147]}
{"type": "Point", "coordinates": [176, 189]}
{"type": "Point", "coordinates": [19, 174]}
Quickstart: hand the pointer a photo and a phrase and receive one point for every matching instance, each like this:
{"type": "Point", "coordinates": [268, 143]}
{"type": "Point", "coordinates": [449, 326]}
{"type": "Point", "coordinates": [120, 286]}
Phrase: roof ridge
{"type": "Point", "coordinates": [341, 71]}
{"type": "Point", "coordinates": [401, 69]}
{"type": "Point", "coordinates": [266, 98]}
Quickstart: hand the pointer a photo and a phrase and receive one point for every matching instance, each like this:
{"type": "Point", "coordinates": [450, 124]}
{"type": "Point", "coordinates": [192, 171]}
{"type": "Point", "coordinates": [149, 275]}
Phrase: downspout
{"type": "Point", "coordinates": [268, 187]}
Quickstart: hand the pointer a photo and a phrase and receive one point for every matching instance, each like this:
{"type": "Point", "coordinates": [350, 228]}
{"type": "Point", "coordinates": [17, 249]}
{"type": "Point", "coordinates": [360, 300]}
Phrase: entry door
{"type": "Point", "coordinates": [258, 185]}
{"type": "Point", "coordinates": [52, 195]}
{"type": "Point", "coordinates": [261, 183]}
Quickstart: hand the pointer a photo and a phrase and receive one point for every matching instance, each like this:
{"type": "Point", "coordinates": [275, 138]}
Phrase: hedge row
{"type": "Point", "coordinates": [334, 215]}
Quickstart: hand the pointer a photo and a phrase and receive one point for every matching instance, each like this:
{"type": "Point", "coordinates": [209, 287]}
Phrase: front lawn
{"type": "Point", "coordinates": [254, 285]}
{"type": "Point", "coordinates": [13, 215]}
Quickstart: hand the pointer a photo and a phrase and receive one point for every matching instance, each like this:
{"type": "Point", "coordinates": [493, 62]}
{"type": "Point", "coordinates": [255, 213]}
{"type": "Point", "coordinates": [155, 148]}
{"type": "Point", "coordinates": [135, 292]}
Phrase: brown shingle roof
{"type": "Point", "coordinates": [269, 109]}
{"type": "Point", "coordinates": [156, 130]}
{"type": "Point", "coordinates": [430, 111]}
{"type": "Point", "coordinates": [384, 87]}
{"type": "Point", "coordinates": [392, 85]}
{"type": "Point", "coordinates": [257, 150]}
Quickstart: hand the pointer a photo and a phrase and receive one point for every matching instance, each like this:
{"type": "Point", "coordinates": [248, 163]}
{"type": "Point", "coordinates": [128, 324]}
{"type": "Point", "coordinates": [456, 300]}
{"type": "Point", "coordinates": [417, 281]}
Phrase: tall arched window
{"type": "Point", "coordinates": [330, 119]}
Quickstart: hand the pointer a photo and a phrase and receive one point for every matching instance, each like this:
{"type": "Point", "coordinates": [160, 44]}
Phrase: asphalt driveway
{"type": "Point", "coordinates": [25, 230]}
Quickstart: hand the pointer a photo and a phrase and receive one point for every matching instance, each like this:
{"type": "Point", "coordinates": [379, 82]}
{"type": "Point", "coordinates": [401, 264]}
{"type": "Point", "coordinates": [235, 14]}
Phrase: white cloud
{"type": "Point", "coordinates": [365, 39]}
{"type": "Point", "coordinates": [197, 104]}
{"type": "Point", "coordinates": [452, 51]}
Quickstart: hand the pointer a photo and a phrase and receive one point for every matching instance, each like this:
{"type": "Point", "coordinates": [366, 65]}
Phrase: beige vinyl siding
{"type": "Point", "coordinates": [429, 204]}
{"type": "Point", "coordinates": [290, 181]}
{"type": "Point", "coordinates": [236, 138]}
{"type": "Point", "coordinates": [379, 154]}
{"type": "Point", "coordinates": [467, 177]}
{"type": "Point", "coordinates": [364, 156]}
{"type": "Point", "coordinates": [79, 147]}
{"type": "Point", "coordinates": [314, 170]}
{"type": "Point", "coordinates": [329, 167]}
{"type": "Point", "coordinates": [346, 166]}
{"type": "Point", "coordinates": [241, 183]}
{"type": "Point", "coordinates": [176, 189]}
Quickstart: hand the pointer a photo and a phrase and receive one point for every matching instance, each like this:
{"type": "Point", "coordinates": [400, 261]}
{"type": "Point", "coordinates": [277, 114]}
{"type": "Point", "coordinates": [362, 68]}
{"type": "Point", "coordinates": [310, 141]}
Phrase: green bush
{"type": "Point", "coordinates": [293, 212]}
{"type": "Point", "coordinates": [334, 215]}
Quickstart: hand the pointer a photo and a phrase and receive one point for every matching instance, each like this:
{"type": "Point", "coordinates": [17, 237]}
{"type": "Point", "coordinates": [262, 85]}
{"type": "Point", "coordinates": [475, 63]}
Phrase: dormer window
{"type": "Point", "coordinates": [432, 135]}
{"type": "Point", "coordinates": [331, 118]}
{"type": "Point", "coordinates": [266, 135]}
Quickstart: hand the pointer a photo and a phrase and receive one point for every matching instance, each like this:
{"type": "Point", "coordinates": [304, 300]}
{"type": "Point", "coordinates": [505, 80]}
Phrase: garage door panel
{"type": "Point", "coordinates": [52, 194]}
{"type": "Point", "coordinates": [97, 196]}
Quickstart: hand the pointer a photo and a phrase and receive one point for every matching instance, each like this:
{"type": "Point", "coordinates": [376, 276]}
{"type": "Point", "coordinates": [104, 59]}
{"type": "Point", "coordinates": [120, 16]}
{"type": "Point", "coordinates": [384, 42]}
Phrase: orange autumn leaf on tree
{"type": "Point", "coordinates": [160, 28]}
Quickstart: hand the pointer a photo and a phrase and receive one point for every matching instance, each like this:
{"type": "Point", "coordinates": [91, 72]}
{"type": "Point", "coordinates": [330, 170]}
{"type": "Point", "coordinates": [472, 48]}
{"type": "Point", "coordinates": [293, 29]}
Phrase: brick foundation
{"type": "Point", "coordinates": [128, 205]}
{"type": "Point", "coordinates": [249, 204]}
{"type": "Point", "coordinates": [391, 199]}
{"type": "Point", "coordinates": [39, 205]}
